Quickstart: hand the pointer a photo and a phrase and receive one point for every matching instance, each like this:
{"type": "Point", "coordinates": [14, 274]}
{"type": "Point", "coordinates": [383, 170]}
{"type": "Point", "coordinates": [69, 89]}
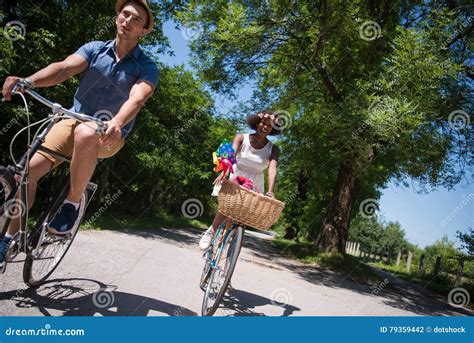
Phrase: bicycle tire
{"type": "Point", "coordinates": [31, 277]}
{"type": "Point", "coordinates": [234, 250]}
{"type": "Point", "coordinates": [7, 184]}
{"type": "Point", "coordinates": [206, 271]}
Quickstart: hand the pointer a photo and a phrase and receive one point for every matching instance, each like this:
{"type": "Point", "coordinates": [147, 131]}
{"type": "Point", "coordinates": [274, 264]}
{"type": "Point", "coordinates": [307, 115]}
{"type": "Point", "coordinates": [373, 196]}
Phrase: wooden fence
{"type": "Point", "coordinates": [355, 249]}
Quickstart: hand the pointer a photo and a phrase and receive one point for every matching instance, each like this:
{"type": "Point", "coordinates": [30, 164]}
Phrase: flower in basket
{"type": "Point", "coordinates": [246, 183]}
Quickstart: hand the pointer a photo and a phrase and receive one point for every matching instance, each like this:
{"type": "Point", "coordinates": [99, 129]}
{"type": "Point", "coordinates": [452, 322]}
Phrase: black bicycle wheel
{"type": "Point", "coordinates": [7, 184]}
{"type": "Point", "coordinates": [47, 250]}
{"type": "Point", "coordinates": [222, 272]}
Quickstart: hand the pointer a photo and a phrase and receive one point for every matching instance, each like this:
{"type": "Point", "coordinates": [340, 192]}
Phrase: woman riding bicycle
{"type": "Point", "coordinates": [254, 154]}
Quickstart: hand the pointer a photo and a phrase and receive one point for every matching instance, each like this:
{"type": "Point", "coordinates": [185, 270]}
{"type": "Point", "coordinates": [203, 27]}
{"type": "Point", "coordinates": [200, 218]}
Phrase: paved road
{"type": "Point", "coordinates": [156, 272]}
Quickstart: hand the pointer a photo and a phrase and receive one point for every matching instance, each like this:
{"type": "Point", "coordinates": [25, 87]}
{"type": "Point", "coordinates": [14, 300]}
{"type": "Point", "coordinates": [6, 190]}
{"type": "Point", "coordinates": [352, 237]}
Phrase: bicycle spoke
{"type": "Point", "coordinates": [50, 252]}
{"type": "Point", "coordinates": [224, 260]}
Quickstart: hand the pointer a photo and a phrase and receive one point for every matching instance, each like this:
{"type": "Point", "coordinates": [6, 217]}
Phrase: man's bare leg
{"type": "Point", "coordinates": [83, 163]}
{"type": "Point", "coordinates": [39, 167]}
{"type": "Point", "coordinates": [84, 160]}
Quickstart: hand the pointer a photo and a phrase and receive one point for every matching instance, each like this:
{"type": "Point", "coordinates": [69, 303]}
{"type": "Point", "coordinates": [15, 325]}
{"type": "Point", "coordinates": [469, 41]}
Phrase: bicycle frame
{"type": "Point", "coordinates": [223, 239]}
{"type": "Point", "coordinates": [20, 170]}
{"type": "Point", "coordinates": [221, 244]}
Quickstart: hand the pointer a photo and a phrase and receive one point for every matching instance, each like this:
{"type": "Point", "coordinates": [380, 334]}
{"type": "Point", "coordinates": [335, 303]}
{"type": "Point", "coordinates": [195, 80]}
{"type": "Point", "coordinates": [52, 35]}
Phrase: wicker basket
{"type": "Point", "coordinates": [248, 207]}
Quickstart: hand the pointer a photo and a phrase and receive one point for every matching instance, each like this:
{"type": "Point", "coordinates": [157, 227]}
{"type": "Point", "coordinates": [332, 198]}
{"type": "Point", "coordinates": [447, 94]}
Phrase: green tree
{"type": "Point", "coordinates": [467, 239]}
{"type": "Point", "coordinates": [393, 238]}
{"type": "Point", "coordinates": [167, 158]}
{"type": "Point", "coordinates": [369, 101]}
{"type": "Point", "coordinates": [376, 236]}
{"type": "Point", "coordinates": [445, 249]}
{"type": "Point", "coordinates": [368, 232]}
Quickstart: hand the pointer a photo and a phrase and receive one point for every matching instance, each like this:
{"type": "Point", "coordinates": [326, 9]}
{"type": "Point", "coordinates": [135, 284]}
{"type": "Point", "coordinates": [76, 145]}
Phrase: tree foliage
{"type": "Point", "coordinates": [467, 239]}
{"type": "Point", "coordinates": [367, 105]}
{"type": "Point", "coordinates": [167, 158]}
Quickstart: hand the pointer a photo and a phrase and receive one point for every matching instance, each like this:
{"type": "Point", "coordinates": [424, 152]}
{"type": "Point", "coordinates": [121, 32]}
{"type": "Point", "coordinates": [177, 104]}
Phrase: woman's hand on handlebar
{"type": "Point", "coordinates": [219, 178]}
{"type": "Point", "coordinates": [270, 194]}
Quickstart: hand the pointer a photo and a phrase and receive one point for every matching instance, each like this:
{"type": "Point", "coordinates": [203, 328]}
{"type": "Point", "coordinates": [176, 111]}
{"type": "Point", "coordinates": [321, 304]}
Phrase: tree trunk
{"type": "Point", "coordinates": [291, 232]}
{"type": "Point", "coordinates": [299, 197]}
{"type": "Point", "coordinates": [334, 230]}
{"type": "Point", "coordinates": [154, 190]}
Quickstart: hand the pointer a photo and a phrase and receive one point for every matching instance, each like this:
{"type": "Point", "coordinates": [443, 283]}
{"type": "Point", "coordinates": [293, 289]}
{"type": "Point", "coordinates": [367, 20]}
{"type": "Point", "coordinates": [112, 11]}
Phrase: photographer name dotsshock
{"type": "Point", "coordinates": [421, 329]}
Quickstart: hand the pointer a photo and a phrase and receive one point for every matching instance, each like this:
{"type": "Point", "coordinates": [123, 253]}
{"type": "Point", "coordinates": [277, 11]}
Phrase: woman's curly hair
{"type": "Point", "coordinates": [253, 120]}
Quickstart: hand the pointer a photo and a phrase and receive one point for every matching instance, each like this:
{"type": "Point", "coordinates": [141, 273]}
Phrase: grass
{"type": "Point", "coordinates": [442, 284]}
{"type": "Point", "coordinates": [306, 252]}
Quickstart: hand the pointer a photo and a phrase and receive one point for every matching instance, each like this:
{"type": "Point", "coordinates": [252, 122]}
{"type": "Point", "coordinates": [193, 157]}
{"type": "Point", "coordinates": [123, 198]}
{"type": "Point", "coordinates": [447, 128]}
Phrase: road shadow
{"type": "Point", "coordinates": [243, 303]}
{"type": "Point", "coordinates": [177, 236]}
{"type": "Point", "coordinates": [418, 299]}
{"type": "Point", "coordinates": [87, 297]}
{"type": "Point", "coordinates": [398, 293]}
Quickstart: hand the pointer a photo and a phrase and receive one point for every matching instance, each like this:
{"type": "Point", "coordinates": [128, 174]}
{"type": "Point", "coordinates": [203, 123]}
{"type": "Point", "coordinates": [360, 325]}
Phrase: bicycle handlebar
{"type": "Point", "coordinates": [57, 108]}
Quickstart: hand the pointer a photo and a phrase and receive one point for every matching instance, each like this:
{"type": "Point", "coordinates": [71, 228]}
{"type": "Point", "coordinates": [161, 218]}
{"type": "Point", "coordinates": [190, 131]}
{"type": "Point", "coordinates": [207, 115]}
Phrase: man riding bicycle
{"type": "Point", "coordinates": [118, 80]}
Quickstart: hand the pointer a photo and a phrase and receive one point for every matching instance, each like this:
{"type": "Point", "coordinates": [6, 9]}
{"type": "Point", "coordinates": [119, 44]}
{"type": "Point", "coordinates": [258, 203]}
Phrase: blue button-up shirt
{"type": "Point", "coordinates": [106, 84]}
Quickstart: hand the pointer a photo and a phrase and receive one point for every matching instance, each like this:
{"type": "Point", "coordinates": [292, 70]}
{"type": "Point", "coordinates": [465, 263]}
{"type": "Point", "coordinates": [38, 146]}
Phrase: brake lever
{"type": "Point", "coordinates": [102, 128]}
{"type": "Point", "coordinates": [22, 85]}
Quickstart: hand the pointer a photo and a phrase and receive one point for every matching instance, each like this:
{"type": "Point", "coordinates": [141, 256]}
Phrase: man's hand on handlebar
{"type": "Point", "coordinates": [112, 135]}
{"type": "Point", "coordinates": [14, 84]}
{"type": "Point", "coordinates": [8, 85]}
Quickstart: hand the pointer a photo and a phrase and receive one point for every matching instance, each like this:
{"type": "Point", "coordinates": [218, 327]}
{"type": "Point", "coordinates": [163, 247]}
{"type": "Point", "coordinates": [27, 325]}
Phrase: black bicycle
{"type": "Point", "coordinates": [44, 251]}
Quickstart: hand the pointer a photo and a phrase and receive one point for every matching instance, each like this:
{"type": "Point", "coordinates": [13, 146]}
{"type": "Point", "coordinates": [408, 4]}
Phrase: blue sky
{"type": "Point", "coordinates": [424, 217]}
